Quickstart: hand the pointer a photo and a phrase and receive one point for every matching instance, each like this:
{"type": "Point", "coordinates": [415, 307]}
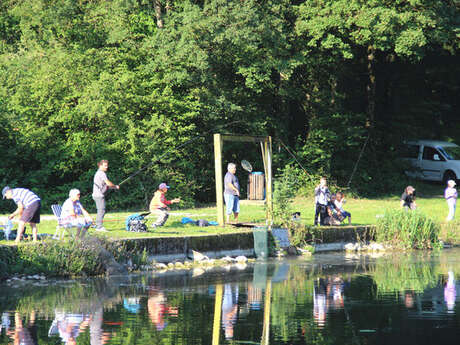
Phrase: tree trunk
{"type": "Point", "coordinates": [371, 88]}
{"type": "Point", "coordinates": [158, 15]}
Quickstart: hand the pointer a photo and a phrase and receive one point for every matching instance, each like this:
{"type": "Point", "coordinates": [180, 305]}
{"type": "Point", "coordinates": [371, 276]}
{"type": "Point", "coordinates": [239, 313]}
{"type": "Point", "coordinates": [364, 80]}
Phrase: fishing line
{"type": "Point", "coordinates": [359, 158]}
{"type": "Point", "coordinates": [177, 148]}
{"type": "Point", "coordinates": [294, 156]}
{"type": "Point", "coordinates": [171, 150]}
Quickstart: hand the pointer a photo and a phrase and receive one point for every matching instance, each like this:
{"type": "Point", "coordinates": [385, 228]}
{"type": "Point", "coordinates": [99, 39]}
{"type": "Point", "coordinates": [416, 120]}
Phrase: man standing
{"type": "Point", "coordinates": [29, 205]}
{"type": "Point", "coordinates": [100, 186]}
{"type": "Point", "coordinates": [322, 198]}
{"type": "Point", "coordinates": [232, 192]}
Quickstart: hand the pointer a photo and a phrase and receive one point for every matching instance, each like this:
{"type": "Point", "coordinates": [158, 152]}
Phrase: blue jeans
{"type": "Point", "coordinates": [232, 203]}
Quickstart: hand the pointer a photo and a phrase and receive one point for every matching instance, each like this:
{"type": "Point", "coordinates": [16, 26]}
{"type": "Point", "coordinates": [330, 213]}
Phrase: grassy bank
{"type": "Point", "coordinates": [364, 212]}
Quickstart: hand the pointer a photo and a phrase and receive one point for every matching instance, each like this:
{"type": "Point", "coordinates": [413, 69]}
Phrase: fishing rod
{"type": "Point", "coordinates": [177, 148]}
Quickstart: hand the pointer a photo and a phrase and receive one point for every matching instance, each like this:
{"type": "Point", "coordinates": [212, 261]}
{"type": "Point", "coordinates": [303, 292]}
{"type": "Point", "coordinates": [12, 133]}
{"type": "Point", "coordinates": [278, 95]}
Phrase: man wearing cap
{"type": "Point", "coordinates": [450, 194]}
{"type": "Point", "coordinates": [159, 205]}
{"type": "Point", "coordinates": [100, 186]}
{"type": "Point", "coordinates": [29, 205]}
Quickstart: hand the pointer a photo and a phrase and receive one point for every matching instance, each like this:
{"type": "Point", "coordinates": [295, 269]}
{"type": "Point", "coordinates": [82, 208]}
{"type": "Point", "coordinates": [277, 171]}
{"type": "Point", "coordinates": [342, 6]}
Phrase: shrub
{"type": "Point", "coordinates": [285, 188]}
{"type": "Point", "coordinates": [408, 229]}
{"type": "Point", "coordinates": [62, 258]}
{"type": "Point", "coordinates": [303, 235]}
{"type": "Point", "coordinates": [70, 258]}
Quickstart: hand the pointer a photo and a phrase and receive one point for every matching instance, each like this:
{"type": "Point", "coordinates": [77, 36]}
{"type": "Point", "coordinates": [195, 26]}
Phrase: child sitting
{"type": "Point", "coordinates": [338, 203]}
{"type": "Point", "coordinates": [333, 217]}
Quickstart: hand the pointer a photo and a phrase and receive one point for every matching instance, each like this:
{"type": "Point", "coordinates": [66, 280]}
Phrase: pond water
{"type": "Point", "coordinates": [407, 298]}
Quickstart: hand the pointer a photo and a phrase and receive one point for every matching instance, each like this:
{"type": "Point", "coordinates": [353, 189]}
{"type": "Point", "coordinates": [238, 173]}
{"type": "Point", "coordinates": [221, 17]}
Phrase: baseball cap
{"type": "Point", "coordinates": [451, 183]}
{"type": "Point", "coordinates": [163, 185]}
{"type": "Point", "coordinates": [4, 190]}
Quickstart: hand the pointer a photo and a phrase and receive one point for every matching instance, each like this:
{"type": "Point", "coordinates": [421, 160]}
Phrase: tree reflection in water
{"type": "Point", "coordinates": [329, 299]}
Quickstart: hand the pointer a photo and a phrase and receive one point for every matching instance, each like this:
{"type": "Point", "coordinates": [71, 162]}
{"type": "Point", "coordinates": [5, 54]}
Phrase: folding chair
{"type": "Point", "coordinates": [60, 227]}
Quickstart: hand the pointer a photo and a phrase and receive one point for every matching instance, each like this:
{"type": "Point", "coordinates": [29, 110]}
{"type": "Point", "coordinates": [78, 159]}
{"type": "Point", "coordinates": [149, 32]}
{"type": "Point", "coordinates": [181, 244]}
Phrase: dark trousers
{"type": "Point", "coordinates": [321, 211]}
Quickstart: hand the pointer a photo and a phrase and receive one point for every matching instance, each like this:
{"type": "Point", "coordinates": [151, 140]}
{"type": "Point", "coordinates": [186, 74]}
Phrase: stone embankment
{"type": "Point", "coordinates": [177, 251]}
{"type": "Point", "coordinates": [167, 249]}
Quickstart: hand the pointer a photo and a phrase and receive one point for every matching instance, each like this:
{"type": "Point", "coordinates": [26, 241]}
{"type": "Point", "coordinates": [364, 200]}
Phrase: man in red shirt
{"type": "Point", "coordinates": [159, 205]}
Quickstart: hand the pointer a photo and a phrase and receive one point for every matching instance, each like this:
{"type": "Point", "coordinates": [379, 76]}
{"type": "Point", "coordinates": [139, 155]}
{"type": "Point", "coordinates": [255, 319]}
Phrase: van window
{"type": "Point", "coordinates": [429, 152]}
{"type": "Point", "coordinates": [451, 152]}
{"type": "Point", "coordinates": [410, 151]}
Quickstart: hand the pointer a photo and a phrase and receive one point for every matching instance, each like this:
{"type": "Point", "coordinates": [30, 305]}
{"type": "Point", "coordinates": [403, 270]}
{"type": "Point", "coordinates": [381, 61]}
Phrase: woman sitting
{"type": "Point", "coordinates": [74, 215]}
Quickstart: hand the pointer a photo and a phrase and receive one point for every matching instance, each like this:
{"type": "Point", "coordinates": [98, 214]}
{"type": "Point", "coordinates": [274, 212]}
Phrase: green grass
{"type": "Point", "coordinates": [364, 211]}
{"type": "Point", "coordinates": [114, 222]}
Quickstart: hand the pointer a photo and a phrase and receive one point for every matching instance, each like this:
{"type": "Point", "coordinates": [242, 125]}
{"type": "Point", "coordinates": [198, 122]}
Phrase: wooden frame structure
{"type": "Point", "coordinates": [266, 147]}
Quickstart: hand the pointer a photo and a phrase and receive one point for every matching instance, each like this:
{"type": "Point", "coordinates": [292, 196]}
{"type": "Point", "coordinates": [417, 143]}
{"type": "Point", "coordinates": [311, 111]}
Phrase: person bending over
{"type": "Point", "coordinates": [29, 205]}
{"type": "Point", "coordinates": [160, 205]}
{"type": "Point", "coordinates": [408, 198]}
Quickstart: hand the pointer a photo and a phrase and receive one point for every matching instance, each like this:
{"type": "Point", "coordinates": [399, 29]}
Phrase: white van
{"type": "Point", "coordinates": [432, 160]}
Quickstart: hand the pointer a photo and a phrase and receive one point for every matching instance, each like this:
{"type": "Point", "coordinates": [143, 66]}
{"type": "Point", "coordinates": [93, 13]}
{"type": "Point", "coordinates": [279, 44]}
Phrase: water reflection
{"type": "Point", "coordinates": [229, 309]}
{"type": "Point", "coordinates": [327, 295]}
{"type": "Point", "coordinates": [24, 332]}
{"type": "Point", "coordinates": [331, 299]}
{"type": "Point", "coordinates": [450, 292]}
{"type": "Point", "coordinates": [68, 326]}
{"type": "Point", "coordinates": [158, 308]}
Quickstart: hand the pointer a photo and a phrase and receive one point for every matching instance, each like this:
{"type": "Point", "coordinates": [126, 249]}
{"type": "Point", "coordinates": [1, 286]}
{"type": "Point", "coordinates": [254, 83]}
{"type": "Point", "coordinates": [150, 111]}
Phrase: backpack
{"type": "Point", "coordinates": [137, 226]}
{"type": "Point", "coordinates": [136, 222]}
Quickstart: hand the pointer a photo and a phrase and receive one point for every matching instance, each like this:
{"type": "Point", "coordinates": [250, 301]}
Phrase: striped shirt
{"type": "Point", "coordinates": [24, 196]}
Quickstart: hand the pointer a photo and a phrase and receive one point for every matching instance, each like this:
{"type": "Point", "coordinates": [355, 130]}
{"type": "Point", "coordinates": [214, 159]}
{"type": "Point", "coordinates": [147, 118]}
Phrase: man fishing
{"type": "Point", "coordinates": [100, 186]}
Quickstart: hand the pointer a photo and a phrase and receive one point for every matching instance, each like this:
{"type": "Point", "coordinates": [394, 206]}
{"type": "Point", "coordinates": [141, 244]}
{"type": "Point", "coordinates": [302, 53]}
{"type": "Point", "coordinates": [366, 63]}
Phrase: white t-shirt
{"type": "Point", "coordinates": [339, 205]}
{"type": "Point", "coordinates": [69, 208]}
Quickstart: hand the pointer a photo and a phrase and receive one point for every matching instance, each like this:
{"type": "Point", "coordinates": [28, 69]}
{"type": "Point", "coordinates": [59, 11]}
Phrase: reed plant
{"type": "Point", "coordinates": [408, 229]}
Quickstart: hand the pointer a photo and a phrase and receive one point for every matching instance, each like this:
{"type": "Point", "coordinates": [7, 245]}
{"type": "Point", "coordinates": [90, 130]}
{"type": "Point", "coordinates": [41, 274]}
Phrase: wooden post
{"type": "Point", "coordinates": [267, 309]}
{"type": "Point", "coordinates": [268, 180]}
{"type": "Point", "coordinates": [219, 179]}
{"type": "Point", "coordinates": [217, 315]}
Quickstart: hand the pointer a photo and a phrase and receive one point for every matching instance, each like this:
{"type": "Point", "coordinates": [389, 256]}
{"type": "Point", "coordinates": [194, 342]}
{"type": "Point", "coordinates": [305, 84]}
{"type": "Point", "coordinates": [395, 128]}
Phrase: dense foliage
{"type": "Point", "coordinates": [133, 80]}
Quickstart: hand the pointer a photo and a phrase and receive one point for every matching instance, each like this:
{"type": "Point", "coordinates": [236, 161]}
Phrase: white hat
{"type": "Point", "coordinates": [451, 183]}
{"type": "Point", "coordinates": [73, 193]}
